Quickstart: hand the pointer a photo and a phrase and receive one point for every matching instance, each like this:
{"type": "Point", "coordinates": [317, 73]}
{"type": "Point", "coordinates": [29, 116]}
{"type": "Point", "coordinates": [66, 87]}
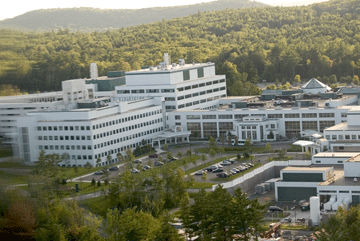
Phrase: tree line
{"type": "Point", "coordinates": [252, 45]}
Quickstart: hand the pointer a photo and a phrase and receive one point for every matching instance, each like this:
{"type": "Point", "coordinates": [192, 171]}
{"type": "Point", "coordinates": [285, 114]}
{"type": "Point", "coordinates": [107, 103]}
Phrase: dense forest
{"type": "Point", "coordinates": [94, 19]}
{"type": "Point", "coordinates": [248, 45]}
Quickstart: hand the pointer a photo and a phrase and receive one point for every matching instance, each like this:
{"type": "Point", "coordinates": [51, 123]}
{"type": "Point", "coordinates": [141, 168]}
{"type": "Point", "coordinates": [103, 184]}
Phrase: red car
{"type": "Point", "coordinates": [154, 155]}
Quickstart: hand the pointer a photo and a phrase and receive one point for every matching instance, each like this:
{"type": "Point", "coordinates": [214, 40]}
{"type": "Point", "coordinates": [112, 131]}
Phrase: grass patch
{"type": "Point", "coordinates": [202, 166]}
{"type": "Point", "coordinates": [294, 227]}
{"type": "Point", "coordinates": [11, 178]}
{"type": "Point", "coordinates": [94, 205]}
{"type": "Point", "coordinates": [200, 185]}
{"type": "Point", "coordinates": [280, 159]}
{"type": "Point", "coordinates": [184, 145]}
{"type": "Point", "coordinates": [86, 188]}
{"type": "Point", "coordinates": [237, 175]}
{"type": "Point", "coordinates": [6, 153]}
{"type": "Point", "coordinates": [15, 165]}
{"type": "Point", "coordinates": [236, 149]}
{"type": "Point", "coordinates": [294, 148]}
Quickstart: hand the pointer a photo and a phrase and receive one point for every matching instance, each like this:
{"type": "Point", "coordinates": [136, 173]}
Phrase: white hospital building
{"type": "Point", "coordinates": [106, 115]}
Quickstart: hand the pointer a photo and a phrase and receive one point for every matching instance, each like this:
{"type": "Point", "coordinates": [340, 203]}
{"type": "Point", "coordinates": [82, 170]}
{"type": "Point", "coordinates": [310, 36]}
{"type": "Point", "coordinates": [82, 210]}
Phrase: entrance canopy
{"type": "Point", "coordinates": [168, 136]}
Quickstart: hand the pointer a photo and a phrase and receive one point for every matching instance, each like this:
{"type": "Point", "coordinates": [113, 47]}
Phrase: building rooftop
{"type": "Point", "coordinates": [169, 68]}
{"type": "Point", "coordinates": [337, 154]}
{"type": "Point", "coordinates": [340, 180]}
{"type": "Point", "coordinates": [340, 127]}
{"type": "Point", "coordinates": [354, 158]}
{"type": "Point", "coordinates": [307, 169]}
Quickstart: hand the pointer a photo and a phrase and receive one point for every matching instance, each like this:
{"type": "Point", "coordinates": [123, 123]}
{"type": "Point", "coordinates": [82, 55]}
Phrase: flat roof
{"type": "Point", "coordinates": [307, 169]}
{"type": "Point", "coordinates": [168, 69]}
{"type": "Point", "coordinates": [340, 180]}
{"type": "Point", "coordinates": [354, 159]}
{"type": "Point", "coordinates": [336, 154]}
{"type": "Point", "coordinates": [340, 127]}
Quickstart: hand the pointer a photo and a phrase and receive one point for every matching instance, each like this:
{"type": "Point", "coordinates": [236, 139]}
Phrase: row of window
{"type": "Point", "coordinates": [343, 137]}
{"type": "Point", "coordinates": [127, 128]}
{"type": "Point", "coordinates": [141, 91]}
{"type": "Point", "coordinates": [64, 138]}
{"type": "Point", "coordinates": [270, 116]}
{"type": "Point", "coordinates": [199, 93]}
{"type": "Point", "coordinates": [126, 138]}
{"type": "Point", "coordinates": [195, 86]}
{"type": "Point", "coordinates": [63, 128]}
{"type": "Point", "coordinates": [65, 147]}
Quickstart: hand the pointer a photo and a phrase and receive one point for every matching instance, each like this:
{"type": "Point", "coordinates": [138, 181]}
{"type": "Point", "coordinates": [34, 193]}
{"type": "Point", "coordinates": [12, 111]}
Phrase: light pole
{"type": "Point", "coordinates": [295, 211]}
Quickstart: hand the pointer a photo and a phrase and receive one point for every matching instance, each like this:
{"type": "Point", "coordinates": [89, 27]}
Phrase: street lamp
{"type": "Point", "coordinates": [295, 210]}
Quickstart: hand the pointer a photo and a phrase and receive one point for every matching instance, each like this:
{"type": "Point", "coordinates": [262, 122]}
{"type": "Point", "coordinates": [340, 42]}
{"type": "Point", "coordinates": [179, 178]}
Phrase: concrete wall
{"type": "Point", "coordinates": [249, 184]}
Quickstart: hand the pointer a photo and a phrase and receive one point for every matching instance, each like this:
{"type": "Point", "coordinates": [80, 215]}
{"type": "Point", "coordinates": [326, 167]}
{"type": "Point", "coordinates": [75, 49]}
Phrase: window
{"type": "Point", "coordinates": [123, 91]}
{"type": "Point", "coordinates": [169, 98]}
{"type": "Point", "coordinates": [344, 114]}
{"type": "Point", "coordinates": [334, 137]}
{"type": "Point", "coordinates": [191, 117]}
{"type": "Point", "coordinates": [137, 91]}
{"type": "Point", "coordinates": [225, 117]}
{"type": "Point", "coordinates": [180, 97]}
{"type": "Point", "coordinates": [241, 116]}
{"type": "Point", "coordinates": [187, 87]}
{"type": "Point", "coordinates": [167, 90]}
{"type": "Point", "coordinates": [152, 91]}
{"type": "Point", "coordinates": [186, 75]}
{"type": "Point", "coordinates": [309, 115]}
{"type": "Point", "coordinates": [347, 137]}
{"type": "Point", "coordinates": [326, 115]}
{"type": "Point", "coordinates": [180, 89]}
{"type": "Point", "coordinates": [195, 86]}
{"type": "Point", "coordinates": [200, 72]}
{"type": "Point", "coordinates": [309, 125]}
{"type": "Point", "coordinates": [209, 83]}
{"type": "Point", "coordinates": [326, 124]}
{"type": "Point", "coordinates": [177, 117]}
{"type": "Point", "coordinates": [66, 128]}
{"type": "Point", "coordinates": [292, 115]}
{"type": "Point", "coordinates": [209, 116]}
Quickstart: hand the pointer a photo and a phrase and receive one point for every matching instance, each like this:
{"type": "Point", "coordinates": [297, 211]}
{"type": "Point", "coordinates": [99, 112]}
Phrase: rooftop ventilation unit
{"type": "Point", "coordinates": [181, 62]}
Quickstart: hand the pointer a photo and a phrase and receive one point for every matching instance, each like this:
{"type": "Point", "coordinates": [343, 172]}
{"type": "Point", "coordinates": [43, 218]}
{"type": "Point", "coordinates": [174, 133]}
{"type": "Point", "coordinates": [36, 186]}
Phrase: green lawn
{"type": "Point", "coordinates": [95, 205]}
{"type": "Point", "coordinates": [5, 153]}
{"type": "Point", "coordinates": [11, 178]}
{"type": "Point", "coordinates": [86, 188]}
{"type": "Point", "coordinates": [238, 174]}
{"type": "Point", "coordinates": [236, 149]}
{"type": "Point", "coordinates": [15, 164]}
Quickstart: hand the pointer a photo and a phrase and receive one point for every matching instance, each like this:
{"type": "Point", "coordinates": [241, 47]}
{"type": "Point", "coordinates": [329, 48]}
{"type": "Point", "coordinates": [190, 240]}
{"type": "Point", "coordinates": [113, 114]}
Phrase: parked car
{"type": "Point", "coordinates": [199, 172]}
{"type": "Point", "coordinates": [232, 172]}
{"type": "Point", "coordinates": [158, 163]}
{"type": "Point", "coordinates": [287, 220]}
{"type": "Point", "coordinates": [213, 168]}
{"type": "Point", "coordinates": [137, 161]}
{"type": "Point", "coordinates": [222, 175]}
{"type": "Point", "coordinates": [98, 173]}
{"type": "Point", "coordinates": [275, 209]}
{"type": "Point", "coordinates": [153, 155]}
{"type": "Point", "coordinates": [174, 159]}
{"type": "Point", "coordinates": [230, 160]}
{"type": "Point", "coordinates": [218, 170]}
{"type": "Point", "coordinates": [114, 168]}
{"type": "Point", "coordinates": [301, 220]}
{"type": "Point", "coordinates": [147, 167]}
{"type": "Point", "coordinates": [134, 170]}
{"type": "Point", "coordinates": [226, 163]}
{"type": "Point", "coordinates": [250, 164]}
{"type": "Point", "coordinates": [235, 170]}
{"type": "Point", "coordinates": [105, 170]}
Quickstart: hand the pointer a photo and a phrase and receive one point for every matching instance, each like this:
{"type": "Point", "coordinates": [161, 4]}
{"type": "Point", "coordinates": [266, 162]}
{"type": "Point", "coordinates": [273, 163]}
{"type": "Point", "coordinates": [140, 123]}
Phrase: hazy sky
{"type": "Point", "coordinates": [13, 8]}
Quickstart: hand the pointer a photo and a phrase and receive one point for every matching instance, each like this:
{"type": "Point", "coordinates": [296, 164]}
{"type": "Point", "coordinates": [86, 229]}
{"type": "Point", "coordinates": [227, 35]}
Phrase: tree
{"type": "Point", "coordinates": [166, 147]}
{"type": "Point", "coordinates": [297, 79]}
{"type": "Point", "coordinates": [93, 182]}
{"type": "Point", "coordinates": [332, 79]}
{"type": "Point", "coordinates": [88, 166]}
{"type": "Point", "coordinates": [188, 153]}
{"type": "Point", "coordinates": [169, 155]}
{"type": "Point", "coordinates": [179, 154]}
{"type": "Point", "coordinates": [98, 162]}
{"type": "Point", "coordinates": [219, 216]}
{"type": "Point", "coordinates": [212, 153]}
{"type": "Point", "coordinates": [212, 143]}
{"type": "Point", "coordinates": [307, 155]}
{"type": "Point", "coordinates": [168, 232]}
{"type": "Point", "coordinates": [268, 147]}
{"type": "Point", "coordinates": [203, 158]}
{"type": "Point", "coordinates": [282, 153]}
{"type": "Point", "coordinates": [131, 225]}
{"type": "Point", "coordinates": [236, 140]}
{"type": "Point", "coordinates": [204, 176]}
{"type": "Point", "coordinates": [108, 158]}
{"type": "Point", "coordinates": [99, 183]}
{"type": "Point", "coordinates": [119, 156]}
{"type": "Point", "coordinates": [222, 140]}
{"type": "Point", "coordinates": [229, 139]}
{"type": "Point", "coordinates": [248, 145]}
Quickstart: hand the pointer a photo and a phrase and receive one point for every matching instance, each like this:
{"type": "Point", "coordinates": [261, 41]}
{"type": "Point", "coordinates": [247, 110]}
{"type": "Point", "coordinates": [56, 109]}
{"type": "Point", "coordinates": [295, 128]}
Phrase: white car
{"type": "Point", "coordinates": [134, 170]}
{"type": "Point", "coordinates": [226, 163]}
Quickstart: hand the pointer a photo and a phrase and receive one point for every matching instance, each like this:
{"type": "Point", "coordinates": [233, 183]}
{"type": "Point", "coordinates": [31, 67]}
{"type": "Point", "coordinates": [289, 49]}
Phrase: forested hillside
{"type": "Point", "coordinates": [246, 44]}
{"type": "Point", "coordinates": [94, 19]}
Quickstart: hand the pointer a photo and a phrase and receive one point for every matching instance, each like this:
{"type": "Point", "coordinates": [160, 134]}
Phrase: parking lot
{"type": "Point", "coordinates": [226, 168]}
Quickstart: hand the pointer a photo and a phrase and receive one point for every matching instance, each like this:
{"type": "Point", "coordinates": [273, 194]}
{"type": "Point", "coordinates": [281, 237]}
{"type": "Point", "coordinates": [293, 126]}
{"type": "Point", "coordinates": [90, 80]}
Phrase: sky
{"type": "Point", "coordinates": [13, 8]}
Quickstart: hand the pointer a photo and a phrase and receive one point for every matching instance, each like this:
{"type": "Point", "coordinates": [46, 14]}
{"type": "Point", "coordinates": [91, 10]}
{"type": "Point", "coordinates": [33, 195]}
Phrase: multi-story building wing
{"type": "Point", "coordinates": [184, 86]}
